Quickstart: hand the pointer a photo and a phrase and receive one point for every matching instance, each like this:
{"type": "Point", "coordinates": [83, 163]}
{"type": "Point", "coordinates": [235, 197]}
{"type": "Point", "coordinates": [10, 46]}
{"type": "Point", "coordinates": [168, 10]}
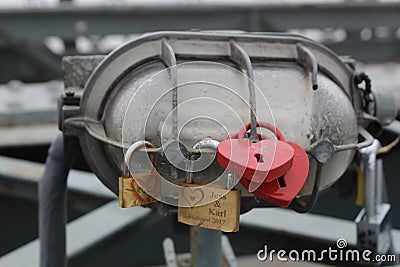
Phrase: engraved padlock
{"type": "Point", "coordinates": [131, 187]}
{"type": "Point", "coordinates": [208, 206]}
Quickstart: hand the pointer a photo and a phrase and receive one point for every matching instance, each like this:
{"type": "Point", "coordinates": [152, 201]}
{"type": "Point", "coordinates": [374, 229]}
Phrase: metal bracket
{"type": "Point", "coordinates": [168, 56]}
{"type": "Point", "coordinates": [373, 222]}
{"type": "Point", "coordinates": [324, 150]}
{"type": "Point", "coordinates": [307, 59]}
{"type": "Point", "coordinates": [242, 59]}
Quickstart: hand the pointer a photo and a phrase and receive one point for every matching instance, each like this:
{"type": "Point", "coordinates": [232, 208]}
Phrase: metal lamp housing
{"type": "Point", "coordinates": [284, 78]}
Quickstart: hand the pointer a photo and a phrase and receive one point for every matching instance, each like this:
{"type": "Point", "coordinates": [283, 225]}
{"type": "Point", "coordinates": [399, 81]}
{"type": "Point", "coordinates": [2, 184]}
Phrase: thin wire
{"type": "Point", "coordinates": [300, 207]}
{"type": "Point", "coordinates": [387, 148]}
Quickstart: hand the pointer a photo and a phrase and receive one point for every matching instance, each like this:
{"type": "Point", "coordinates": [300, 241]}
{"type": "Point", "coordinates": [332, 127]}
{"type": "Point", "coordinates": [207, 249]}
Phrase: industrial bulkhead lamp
{"type": "Point", "coordinates": [284, 76]}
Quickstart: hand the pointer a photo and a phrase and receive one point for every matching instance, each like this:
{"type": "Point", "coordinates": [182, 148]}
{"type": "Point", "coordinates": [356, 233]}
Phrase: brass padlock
{"type": "Point", "coordinates": [132, 194]}
{"type": "Point", "coordinates": [208, 206]}
{"type": "Point", "coordinates": [220, 214]}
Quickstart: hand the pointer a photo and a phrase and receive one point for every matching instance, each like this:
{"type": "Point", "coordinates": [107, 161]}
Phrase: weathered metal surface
{"type": "Point", "coordinates": [77, 69]}
{"type": "Point", "coordinates": [289, 75]}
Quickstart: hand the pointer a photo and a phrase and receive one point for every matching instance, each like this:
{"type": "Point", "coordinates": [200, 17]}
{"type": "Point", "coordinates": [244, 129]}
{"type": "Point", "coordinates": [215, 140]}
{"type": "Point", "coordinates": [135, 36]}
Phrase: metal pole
{"type": "Point", "coordinates": [379, 181]}
{"type": "Point", "coordinates": [369, 162]}
{"type": "Point", "coordinates": [205, 247]}
{"type": "Point", "coordinates": [52, 205]}
{"type": "Point", "coordinates": [370, 186]}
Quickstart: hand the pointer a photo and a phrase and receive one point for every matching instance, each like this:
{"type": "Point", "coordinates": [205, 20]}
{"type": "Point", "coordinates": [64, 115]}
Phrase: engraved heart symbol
{"type": "Point", "coordinates": [193, 196]}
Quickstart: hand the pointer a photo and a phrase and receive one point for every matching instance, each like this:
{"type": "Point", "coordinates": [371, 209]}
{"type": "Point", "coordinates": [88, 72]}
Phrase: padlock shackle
{"type": "Point", "coordinates": [262, 124]}
{"type": "Point", "coordinates": [131, 150]}
{"type": "Point", "coordinates": [260, 136]}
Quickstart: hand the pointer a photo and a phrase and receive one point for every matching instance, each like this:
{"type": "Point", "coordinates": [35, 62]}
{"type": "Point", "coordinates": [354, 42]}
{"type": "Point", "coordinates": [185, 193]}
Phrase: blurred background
{"type": "Point", "coordinates": [36, 34]}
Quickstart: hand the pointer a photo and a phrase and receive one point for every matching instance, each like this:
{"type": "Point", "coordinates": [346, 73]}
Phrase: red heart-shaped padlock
{"type": "Point", "coordinates": [262, 161]}
{"type": "Point", "coordinates": [283, 190]}
{"type": "Point", "coordinates": [288, 167]}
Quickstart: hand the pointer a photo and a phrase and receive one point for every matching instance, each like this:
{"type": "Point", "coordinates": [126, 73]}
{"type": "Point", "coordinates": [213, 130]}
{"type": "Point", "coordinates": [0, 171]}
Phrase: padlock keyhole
{"type": "Point", "coordinates": [281, 182]}
{"type": "Point", "coordinates": [259, 157]}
